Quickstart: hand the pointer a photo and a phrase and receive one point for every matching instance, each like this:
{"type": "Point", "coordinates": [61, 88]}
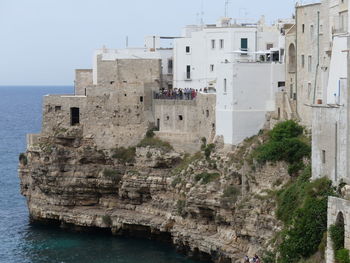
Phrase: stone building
{"type": "Point", "coordinates": [184, 123]}
{"type": "Point", "coordinates": [328, 54]}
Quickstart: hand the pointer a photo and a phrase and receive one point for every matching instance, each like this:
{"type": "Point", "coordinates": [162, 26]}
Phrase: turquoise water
{"type": "Point", "coordinates": [20, 113]}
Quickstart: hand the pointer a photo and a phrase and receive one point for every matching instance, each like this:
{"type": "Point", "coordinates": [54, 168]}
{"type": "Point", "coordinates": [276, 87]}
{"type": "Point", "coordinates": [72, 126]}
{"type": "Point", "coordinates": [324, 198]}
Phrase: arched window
{"type": "Point", "coordinates": [291, 58]}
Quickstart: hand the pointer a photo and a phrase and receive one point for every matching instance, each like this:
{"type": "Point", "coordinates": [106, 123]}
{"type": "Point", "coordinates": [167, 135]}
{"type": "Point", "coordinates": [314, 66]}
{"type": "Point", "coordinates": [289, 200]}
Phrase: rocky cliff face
{"type": "Point", "coordinates": [216, 208]}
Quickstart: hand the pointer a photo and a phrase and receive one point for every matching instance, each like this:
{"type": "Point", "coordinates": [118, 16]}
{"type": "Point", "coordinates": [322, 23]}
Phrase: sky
{"type": "Point", "coordinates": [43, 41]}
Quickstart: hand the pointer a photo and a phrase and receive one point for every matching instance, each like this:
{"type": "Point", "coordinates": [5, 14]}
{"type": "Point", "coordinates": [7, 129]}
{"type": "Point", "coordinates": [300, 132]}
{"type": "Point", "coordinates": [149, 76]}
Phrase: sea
{"type": "Point", "coordinates": [21, 242]}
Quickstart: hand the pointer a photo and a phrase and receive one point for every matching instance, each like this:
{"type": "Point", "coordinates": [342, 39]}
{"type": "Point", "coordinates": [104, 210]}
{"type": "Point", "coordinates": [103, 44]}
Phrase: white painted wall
{"type": "Point", "coordinates": [338, 69]}
{"type": "Point", "coordinates": [250, 94]}
{"type": "Point", "coordinates": [202, 55]}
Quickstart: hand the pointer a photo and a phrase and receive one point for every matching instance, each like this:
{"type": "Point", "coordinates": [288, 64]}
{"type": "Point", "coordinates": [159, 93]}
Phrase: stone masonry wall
{"type": "Point", "coordinates": [336, 206]}
{"type": "Point", "coordinates": [184, 122]}
{"type": "Point", "coordinates": [83, 79]}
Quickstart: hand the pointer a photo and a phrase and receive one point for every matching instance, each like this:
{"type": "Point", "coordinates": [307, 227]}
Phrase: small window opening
{"type": "Point", "coordinates": [323, 156]}
{"type": "Point", "coordinates": [188, 49]}
{"type": "Point", "coordinates": [167, 118]}
{"type": "Point", "coordinates": [213, 43]}
{"type": "Point", "coordinates": [170, 66]}
{"type": "Point", "coordinates": [180, 117]}
{"type": "Point", "coordinates": [225, 85]}
{"type": "Point", "coordinates": [188, 72]}
{"type": "Point", "coordinates": [125, 94]}
{"type": "Point", "coordinates": [303, 28]}
{"type": "Point", "coordinates": [207, 113]}
{"type": "Point", "coordinates": [74, 116]}
{"type": "Point", "coordinates": [141, 98]}
{"type": "Point", "coordinates": [112, 82]}
{"type": "Point", "coordinates": [158, 124]}
{"type": "Point", "coordinates": [58, 108]}
{"type": "Point", "coordinates": [281, 84]}
{"type": "Point", "coordinates": [212, 67]}
{"type": "Point", "coordinates": [222, 43]}
{"type": "Point", "coordinates": [279, 113]}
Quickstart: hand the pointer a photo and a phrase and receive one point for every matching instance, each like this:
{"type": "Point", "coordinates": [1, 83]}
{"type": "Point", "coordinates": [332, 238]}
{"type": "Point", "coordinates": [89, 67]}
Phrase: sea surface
{"type": "Point", "coordinates": [20, 242]}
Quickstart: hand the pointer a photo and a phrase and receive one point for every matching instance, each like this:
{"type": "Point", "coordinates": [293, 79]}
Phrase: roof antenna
{"type": "Point", "coordinates": [227, 3]}
{"type": "Point", "coordinates": [202, 13]}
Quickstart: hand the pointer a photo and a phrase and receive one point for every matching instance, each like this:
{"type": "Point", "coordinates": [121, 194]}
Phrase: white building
{"type": "Point", "coordinates": [243, 63]}
{"type": "Point", "coordinates": [245, 93]}
{"type": "Point", "coordinates": [202, 48]}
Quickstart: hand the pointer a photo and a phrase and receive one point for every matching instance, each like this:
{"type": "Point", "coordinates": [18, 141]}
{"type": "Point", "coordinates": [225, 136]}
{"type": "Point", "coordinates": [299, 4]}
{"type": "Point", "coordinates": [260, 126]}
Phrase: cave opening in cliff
{"type": "Point", "coordinates": [74, 116]}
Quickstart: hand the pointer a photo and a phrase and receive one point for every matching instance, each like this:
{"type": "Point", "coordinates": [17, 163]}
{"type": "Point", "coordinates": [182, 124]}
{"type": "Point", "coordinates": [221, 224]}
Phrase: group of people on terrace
{"type": "Point", "coordinates": [177, 94]}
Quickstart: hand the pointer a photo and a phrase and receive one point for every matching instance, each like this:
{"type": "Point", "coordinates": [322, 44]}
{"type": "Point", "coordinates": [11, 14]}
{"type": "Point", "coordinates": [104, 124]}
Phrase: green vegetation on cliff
{"type": "Point", "coordinates": [286, 142]}
{"type": "Point", "coordinates": [125, 155]}
{"type": "Point", "coordinates": [301, 203]}
{"type": "Point", "coordinates": [302, 206]}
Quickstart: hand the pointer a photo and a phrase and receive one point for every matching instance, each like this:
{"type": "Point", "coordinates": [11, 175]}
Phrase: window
{"type": "Point", "coordinates": [170, 66]}
{"type": "Point", "coordinates": [167, 118]}
{"type": "Point", "coordinates": [158, 124]}
{"type": "Point", "coordinates": [213, 43]}
{"type": "Point", "coordinates": [225, 85]}
{"type": "Point", "coordinates": [269, 46]}
{"type": "Point", "coordinates": [211, 67]}
{"type": "Point", "coordinates": [244, 44]}
{"type": "Point", "coordinates": [281, 84]}
{"type": "Point", "coordinates": [58, 108]}
{"type": "Point", "coordinates": [180, 118]}
{"type": "Point", "coordinates": [207, 113]}
{"type": "Point", "coordinates": [292, 58]}
{"type": "Point", "coordinates": [188, 49]}
{"type": "Point", "coordinates": [222, 43]}
{"type": "Point", "coordinates": [303, 28]}
{"type": "Point", "coordinates": [302, 61]}
{"type": "Point", "coordinates": [309, 64]}
{"type": "Point", "coordinates": [141, 98]}
{"type": "Point", "coordinates": [323, 156]}
{"type": "Point", "coordinates": [188, 72]}
{"type": "Point", "coordinates": [74, 116]}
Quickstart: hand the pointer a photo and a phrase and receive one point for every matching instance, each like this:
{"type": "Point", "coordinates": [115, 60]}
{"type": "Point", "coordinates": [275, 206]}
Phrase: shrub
{"type": "Point", "coordinates": [302, 206]}
{"type": "Point", "coordinates": [206, 178]}
{"type": "Point", "coordinates": [155, 143]}
{"type": "Point", "coordinates": [285, 144]}
{"type": "Point", "coordinates": [208, 150]}
{"type": "Point", "coordinates": [150, 132]}
{"type": "Point", "coordinates": [114, 175]}
{"type": "Point", "coordinates": [285, 130]}
{"type": "Point", "coordinates": [107, 220]}
{"type": "Point", "coordinates": [125, 155]}
{"type": "Point", "coordinates": [342, 256]}
{"type": "Point", "coordinates": [268, 257]}
{"type": "Point", "coordinates": [23, 159]}
{"type": "Point", "coordinates": [336, 233]}
{"type": "Point", "coordinates": [204, 143]}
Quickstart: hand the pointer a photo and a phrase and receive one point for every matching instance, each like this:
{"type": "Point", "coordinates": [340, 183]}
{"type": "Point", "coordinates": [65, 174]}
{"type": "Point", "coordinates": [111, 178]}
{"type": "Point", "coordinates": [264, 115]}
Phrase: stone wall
{"type": "Point", "coordinates": [335, 207]}
{"type": "Point", "coordinates": [329, 140]}
{"type": "Point", "coordinates": [83, 79]}
{"type": "Point", "coordinates": [130, 71]}
{"type": "Point", "coordinates": [115, 112]}
{"type": "Point", "coordinates": [184, 122]}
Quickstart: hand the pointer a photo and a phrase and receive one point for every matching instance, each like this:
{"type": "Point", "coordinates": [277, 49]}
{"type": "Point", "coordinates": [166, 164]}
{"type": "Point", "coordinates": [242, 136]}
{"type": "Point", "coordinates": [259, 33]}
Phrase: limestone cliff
{"type": "Point", "coordinates": [217, 207]}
